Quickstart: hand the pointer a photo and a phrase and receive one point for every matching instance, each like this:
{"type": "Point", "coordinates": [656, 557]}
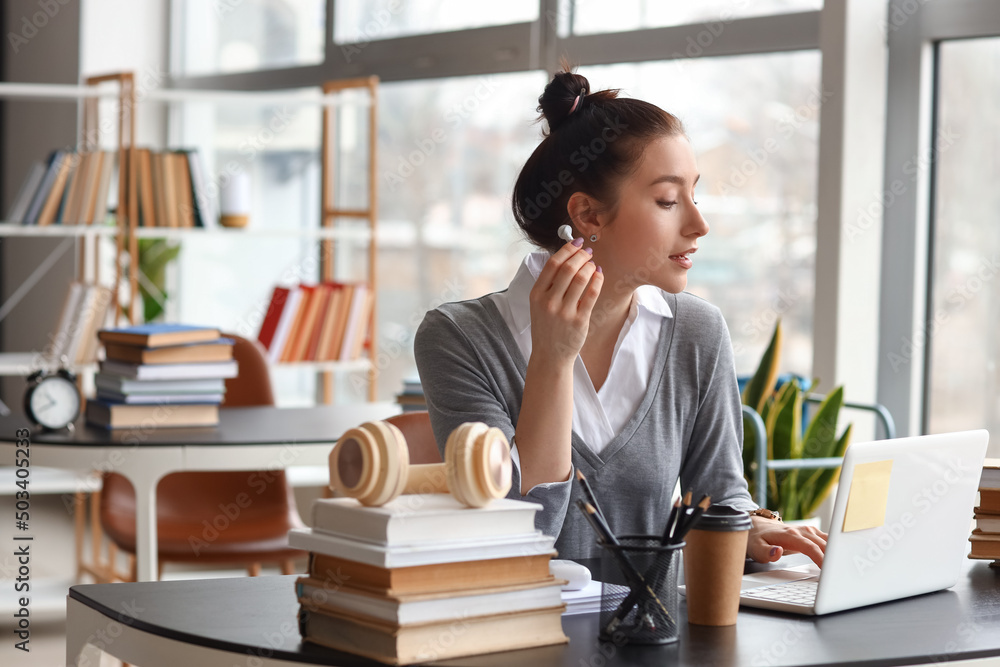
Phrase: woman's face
{"type": "Point", "coordinates": [656, 227]}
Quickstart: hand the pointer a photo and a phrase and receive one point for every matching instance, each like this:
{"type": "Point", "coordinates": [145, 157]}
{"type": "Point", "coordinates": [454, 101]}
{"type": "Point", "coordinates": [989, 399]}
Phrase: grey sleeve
{"type": "Point", "coordinates": [459, 389]}
{"type": "Point", "coordinates": [713, 461]}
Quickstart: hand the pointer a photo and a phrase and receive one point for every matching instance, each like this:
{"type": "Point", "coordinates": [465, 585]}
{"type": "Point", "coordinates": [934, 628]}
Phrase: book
{"type": "Point", "coordinates": [170, 196]}
{"type": "Point", "coordinates": [344, 308]}
{"type": "Point", "coordinates": [209, 369]}
{"type": "Point", "coordinates": [144, 177]}
{"type": "Point", "coordinates": [159, 195]}
{"type": "Point", "coordinates": [93, 319]}
{"type": "Point", "coordinates": [432, 607]}
{"type": "Point", "coordinates": [421, 554]}
{"type": "Point", "coordinates": [47, 215]}
{"type": "Point", "coordinates": [119, 415]}
{"type": "Point", "coordinates": [62, 336]}
{"type": "Point", "coordinates": [38, 200]}
{"type": "Point", "coordinates": [295, 335]}
{"type": "Point", "coordinates": [100, 209]}
{"type": "Point", "coordinates": [19, 208]}
{"type": "Point", "coordinates": [204, 212]}
{"type": "Point", "coordinates": [989, 499]}
{"type": "Point", "coordinates": [124, 385]}
{"type": "Point", "coordinates": [109, 396]}
{"type": "Point", "coordinates": [353, 325]}
{"type": "Point", "coordinates": [324, 292]}
{"type": "Point", "coordinates": [185, 198]}
{"type": "Point", "coordinates": [991, 474]}
{"type": "Point", "coordinates": [89, 198]}
{"type": "Point", "coordinates": [363, 325]}
{"type": "Point", "coordinates": [220, 349]}
{"type": "Point", "coordinates": [437, 577]}
{"type": "Point", "coordinates": [269, 325]}
{"type": "Point", "coordinates": [73, 210]}
{"type": "Point", "coordinates": [284, 327]}
{"type": "Point", "coordinates": [422, 519]}
{"type": "Point", "coordinates": [329, 323]}
{"type": "Point", "coordinates": [988, 523]}
{"type": "Point", "coordinates": [431, 642]}
{"type": "Point", "coordinates": [156, 335]}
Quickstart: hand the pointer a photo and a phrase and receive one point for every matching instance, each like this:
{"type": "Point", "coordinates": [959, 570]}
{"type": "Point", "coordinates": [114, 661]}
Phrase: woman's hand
{"type": "Point", "coordinates": [561, 303]}
{"type": "Point", "coordinates": [769, 539]}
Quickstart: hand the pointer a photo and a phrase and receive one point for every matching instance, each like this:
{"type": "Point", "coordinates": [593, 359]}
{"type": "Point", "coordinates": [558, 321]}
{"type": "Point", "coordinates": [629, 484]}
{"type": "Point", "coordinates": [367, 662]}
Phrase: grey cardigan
{"type": "Point", "coordinates": [689, 423]}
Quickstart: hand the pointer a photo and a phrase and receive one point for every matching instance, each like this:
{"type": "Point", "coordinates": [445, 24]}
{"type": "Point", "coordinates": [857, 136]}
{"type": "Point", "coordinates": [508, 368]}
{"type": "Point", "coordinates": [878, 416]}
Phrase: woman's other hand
{"type": "Point", "coordinates": [770, 539]}
{"type": "Point", "coordinates": [561, 303]}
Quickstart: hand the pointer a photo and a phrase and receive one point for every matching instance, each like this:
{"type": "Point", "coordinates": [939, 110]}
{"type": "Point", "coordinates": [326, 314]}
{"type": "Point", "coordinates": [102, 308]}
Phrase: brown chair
{"type": "Point", "coordinates": [191, 527]}
{"type": "Point", "coordinates": [416, 428]}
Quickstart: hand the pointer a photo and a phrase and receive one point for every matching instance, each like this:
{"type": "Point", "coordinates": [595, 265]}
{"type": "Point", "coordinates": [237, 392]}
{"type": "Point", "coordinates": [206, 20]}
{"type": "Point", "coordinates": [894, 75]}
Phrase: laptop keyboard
{"type": "Point", "coordinates": [793, 592]}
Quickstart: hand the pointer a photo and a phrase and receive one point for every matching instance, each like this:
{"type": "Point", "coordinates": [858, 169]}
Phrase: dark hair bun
{"type": "Point", "coordinates": [556, 103]}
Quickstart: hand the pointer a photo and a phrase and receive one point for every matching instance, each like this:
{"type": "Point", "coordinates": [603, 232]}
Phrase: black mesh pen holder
{"type": "Point", "coordinates": [639, 603]}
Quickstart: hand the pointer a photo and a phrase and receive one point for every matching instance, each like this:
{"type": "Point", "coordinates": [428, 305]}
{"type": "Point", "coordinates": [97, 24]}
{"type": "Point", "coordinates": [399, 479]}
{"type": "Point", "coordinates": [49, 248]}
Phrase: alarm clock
{"type": "Point", "coordinates": [52, 400]}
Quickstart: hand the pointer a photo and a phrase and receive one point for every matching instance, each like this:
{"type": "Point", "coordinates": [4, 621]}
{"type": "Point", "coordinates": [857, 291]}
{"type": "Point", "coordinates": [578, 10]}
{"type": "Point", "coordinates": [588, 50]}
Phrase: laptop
{"type": "Point", "coordinates": [918, 547]}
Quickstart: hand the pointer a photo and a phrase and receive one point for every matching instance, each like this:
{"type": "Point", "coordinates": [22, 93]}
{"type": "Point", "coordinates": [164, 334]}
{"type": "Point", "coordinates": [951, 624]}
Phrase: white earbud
{"type": "Point", "coordinates": [566, 233]}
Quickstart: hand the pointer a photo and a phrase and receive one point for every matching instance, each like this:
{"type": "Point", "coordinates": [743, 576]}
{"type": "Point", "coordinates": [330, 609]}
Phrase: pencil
{"type": "Point", "coordinates": [668, 531]}
{"type": "Point", "coordinates": [589, 492]}
{"type": "Point", "coordinates": [696, 513]}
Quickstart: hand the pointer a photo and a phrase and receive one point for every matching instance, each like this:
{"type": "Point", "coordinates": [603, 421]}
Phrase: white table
{"type": "Point", "coordinates": [257, 438]}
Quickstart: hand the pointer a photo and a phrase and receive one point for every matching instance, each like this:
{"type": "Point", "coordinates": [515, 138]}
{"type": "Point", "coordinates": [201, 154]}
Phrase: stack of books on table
{"type": "Point", "coordinates": [426, 578]}
{"type": "Point", "coordinates": [161, 375]}
{"type": "Point", "coordinates": [986, 536]}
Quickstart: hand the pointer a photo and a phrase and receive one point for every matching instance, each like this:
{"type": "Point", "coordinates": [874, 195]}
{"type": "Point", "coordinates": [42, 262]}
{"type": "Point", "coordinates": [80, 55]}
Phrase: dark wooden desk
{"type": "Point", "coordinates": [247, 438]}
{"type": "Point", "coordinates": [252, 622]}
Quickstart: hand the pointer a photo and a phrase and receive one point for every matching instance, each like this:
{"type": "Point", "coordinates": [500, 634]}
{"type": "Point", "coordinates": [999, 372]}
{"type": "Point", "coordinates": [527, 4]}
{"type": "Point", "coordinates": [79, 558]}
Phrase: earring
{"type": "Point", "coordinates": [593, 238]}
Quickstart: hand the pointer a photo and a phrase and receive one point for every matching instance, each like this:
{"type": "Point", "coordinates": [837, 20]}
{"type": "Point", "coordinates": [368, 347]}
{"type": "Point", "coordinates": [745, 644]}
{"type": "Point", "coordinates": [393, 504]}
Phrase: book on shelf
{"type": "Point", "coordinates": [422, 519]}
{"type": "Point", "coordinates": [156, 335]}
{"type": "Point", "coordinates": [220, 349]}
{"type": "Point", "coordinates": [121, 415]}
{"type": "Point", "coordinates": [430, 607]}
{"type": "Point", "coordinates": [324, 322]}
{"type": "Point", "coordinates": [403, 645]}
{"type": "Point", "coordinates": [19, 208]}
{"type": "Point", "coordinates": [109, 396]}
{"type": "Point", "coordinates": [430, 553]}
{"type": "Point", "coordinates": [172, 189]}
{"type": "Point", "coordinates": [123, 385]}
{"type": "Point", "coordinates": [434, 577]}
{"type": "Point", "coordinates": [68, 188]}
{"type": "Point", "coordinates": [85, 310]}
{"type": "Point", "coordinates": [209, 369]}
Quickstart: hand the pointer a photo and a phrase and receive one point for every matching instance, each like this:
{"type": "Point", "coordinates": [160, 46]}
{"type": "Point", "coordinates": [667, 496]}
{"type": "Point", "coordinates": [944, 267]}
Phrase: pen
{"type": "Point", "coordinates": [636, 581]}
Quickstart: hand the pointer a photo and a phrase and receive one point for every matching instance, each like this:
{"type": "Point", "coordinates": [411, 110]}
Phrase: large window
{"type": "Point", "coordinates": [361, 21]}
{"type": "Point", "coordinates": [231, 36]}
{"type": "Point", "coordinates": [753, 122]}
{"type": "Point", "coordinates": [964, 387]}
{"type": "Point", "coordinates": [593, 16]}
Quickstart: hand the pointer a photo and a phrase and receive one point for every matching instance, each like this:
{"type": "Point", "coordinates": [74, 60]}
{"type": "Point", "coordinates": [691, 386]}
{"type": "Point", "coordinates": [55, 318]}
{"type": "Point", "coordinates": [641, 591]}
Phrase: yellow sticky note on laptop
{"type": "Point", "coordinates": [868, 496]}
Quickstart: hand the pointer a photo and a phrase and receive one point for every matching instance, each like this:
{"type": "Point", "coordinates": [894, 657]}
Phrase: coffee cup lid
{"type": "Point", "coordinates": [725, 519]}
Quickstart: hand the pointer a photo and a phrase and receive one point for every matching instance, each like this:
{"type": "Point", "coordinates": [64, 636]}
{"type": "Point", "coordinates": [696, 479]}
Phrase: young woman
{"type": "Point", "coordinates": [594, 358]}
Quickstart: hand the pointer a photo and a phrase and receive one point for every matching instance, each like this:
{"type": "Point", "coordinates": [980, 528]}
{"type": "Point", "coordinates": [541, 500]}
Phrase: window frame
{"type": "Point", "coordinates": [908, 232]}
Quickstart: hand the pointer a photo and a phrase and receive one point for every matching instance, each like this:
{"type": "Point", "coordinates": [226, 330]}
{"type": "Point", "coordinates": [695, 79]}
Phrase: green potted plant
{"type": "Point", "coordinates": [797, 493]}
{"type": "Point", "coordinates": [154, 257]}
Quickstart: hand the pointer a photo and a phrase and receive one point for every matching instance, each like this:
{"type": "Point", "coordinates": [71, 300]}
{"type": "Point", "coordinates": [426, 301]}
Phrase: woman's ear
{"type": "Point", "coordinates": [582, 210]}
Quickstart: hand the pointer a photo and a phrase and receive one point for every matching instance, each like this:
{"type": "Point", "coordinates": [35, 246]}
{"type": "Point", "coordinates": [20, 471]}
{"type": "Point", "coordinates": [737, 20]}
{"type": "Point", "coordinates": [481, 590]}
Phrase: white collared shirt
{"type": "Point", "coordinates": [597, 415]}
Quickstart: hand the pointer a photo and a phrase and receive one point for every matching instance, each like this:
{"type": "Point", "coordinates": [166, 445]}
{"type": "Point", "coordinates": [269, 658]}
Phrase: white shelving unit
{"type": "Point", "coordinates": [127, 231]}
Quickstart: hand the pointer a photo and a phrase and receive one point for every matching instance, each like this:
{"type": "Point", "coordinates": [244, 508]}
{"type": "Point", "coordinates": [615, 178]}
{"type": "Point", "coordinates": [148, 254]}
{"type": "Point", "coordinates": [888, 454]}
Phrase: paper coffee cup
{"type": "Point", "coordinates": [713, 565]}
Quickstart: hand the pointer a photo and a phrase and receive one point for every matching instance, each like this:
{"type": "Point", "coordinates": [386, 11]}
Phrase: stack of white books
{"type": "Point", "coordinates": [426, 578]}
